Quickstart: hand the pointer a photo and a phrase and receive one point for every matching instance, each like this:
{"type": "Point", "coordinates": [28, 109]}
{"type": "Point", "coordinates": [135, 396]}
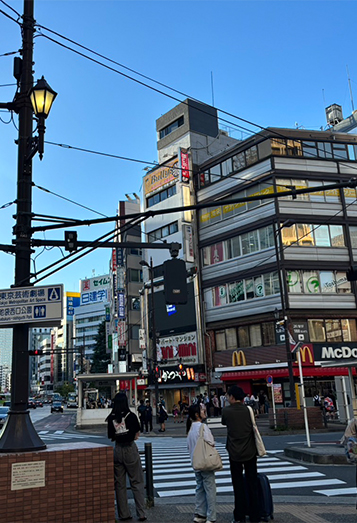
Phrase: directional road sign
{"type": "Point", "coordinates": [39, 305]}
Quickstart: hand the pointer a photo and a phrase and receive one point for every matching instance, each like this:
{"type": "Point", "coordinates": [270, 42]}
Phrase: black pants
{"type": "Point", "coordinates": [148, 422]}
{"type": "Point", "coordinates": [241, 506]}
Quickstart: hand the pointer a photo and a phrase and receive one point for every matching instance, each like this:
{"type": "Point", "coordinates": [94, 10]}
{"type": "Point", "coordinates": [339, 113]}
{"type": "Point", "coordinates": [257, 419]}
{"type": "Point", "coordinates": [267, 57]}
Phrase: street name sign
{"type": "Point", "coordinates": [38, 305]}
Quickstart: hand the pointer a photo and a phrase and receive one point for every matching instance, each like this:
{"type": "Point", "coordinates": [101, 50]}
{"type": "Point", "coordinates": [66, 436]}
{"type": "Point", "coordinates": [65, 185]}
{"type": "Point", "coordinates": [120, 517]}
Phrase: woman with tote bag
{"type": "Point", "coordinates": [205, 496]}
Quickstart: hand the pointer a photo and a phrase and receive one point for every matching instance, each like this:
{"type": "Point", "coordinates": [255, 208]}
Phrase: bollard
{"type": "Point", "coordinates": [149, 476]}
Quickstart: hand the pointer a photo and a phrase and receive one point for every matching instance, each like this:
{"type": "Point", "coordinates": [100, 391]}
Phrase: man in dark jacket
{"type": "Point", "coordinates": [242, 453]}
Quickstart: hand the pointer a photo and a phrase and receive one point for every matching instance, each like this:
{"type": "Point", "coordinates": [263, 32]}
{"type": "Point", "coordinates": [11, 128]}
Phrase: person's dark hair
{"type": "Point", "coordinates": [121, 406]}
{"type": "Point", "coordinates": [141, 402]}
{"type": "Point", "coordinates": [192, 411]}
{"type": "Point", "coordinates": [236, 392]}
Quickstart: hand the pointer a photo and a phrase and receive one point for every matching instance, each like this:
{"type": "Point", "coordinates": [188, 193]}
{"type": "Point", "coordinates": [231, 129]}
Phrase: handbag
{"type": "Point", "coordinates": [258, 439]}
{"type": "Point", "coordinates": [205, 456]}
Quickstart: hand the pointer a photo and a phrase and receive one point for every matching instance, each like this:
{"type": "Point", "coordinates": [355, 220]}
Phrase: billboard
{"type": "Point", "coordinates": [95, 289]}
{"type": "Point", "coordinates": [161, 176]}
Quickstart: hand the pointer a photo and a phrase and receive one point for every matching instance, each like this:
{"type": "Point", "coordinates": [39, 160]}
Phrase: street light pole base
{"type": "Point", "coordinates": [19, 434]}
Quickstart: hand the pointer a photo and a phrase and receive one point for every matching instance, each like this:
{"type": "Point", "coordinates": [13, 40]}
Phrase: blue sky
{"type": "Point", "coordinates": [273, 63]}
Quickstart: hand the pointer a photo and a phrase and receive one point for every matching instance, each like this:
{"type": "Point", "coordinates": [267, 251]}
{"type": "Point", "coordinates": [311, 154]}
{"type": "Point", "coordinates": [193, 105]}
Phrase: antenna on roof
{"type": "Point", "coordinates": [212, 89]}
{"type": "Point", "coordinates": [349, 85]}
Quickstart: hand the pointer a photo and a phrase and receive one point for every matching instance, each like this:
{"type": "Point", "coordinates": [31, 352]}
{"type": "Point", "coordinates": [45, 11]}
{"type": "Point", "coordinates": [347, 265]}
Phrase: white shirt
{"type": "Point", "coordinates": [192, 436]}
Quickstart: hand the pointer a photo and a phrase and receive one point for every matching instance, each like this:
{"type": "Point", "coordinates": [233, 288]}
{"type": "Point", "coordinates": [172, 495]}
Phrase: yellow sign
{"type": "Point", "coordinates": [303, 351]}
{"type": "Point", "coordinates": [238, 358]}
{"type": "Point", "coordinates": [162, 176]}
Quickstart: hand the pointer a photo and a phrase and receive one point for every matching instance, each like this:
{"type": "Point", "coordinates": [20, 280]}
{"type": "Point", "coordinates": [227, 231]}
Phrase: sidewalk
{"type": "Point", "coordinates": [286, 510]}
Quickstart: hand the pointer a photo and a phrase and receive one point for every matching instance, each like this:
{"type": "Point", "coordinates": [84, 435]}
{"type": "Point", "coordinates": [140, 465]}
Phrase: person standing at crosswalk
{"type": "Point", "coordinates": [124, 429]}
{"type": "Point", "coordinates": [242, 453]}
{"type": "Point", "coordinates": [205, 495]}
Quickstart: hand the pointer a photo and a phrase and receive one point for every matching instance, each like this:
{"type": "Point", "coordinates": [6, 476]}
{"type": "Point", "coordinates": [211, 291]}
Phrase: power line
{"type": "Point", "coordinates": [69, 200]}
{"type": "Point", "coordinates": [11, 8]}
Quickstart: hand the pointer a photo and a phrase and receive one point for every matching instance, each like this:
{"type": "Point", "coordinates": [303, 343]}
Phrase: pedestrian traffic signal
{"type": "Point", "coordinates": [157, 372]}
{"type": "Point", "coordinates": [180, 367]}
{"type": "Point", "coordinates": [36, 352]}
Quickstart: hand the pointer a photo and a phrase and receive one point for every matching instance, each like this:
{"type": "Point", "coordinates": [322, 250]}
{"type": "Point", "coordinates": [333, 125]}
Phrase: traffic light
{"type": "Point", "coordinates": [70, 240]}
{"type": "Point", "coordinates": [157, 372]}
{"type": "Point", "coordinates": [36, 352]}
{"type": "Point", "coordinates": [180, 366]}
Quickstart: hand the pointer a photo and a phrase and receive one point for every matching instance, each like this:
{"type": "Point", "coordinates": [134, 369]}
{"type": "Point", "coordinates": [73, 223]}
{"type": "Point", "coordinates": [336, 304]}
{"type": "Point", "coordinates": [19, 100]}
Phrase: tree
{"type": "Point", "coordinates": [100, 358]}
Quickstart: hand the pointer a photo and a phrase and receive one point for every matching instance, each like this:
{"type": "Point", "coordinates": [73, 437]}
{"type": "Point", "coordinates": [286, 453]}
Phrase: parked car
{"type": "Point", "coordinates": [31, 403]}
{"type": "Point", "coordinates": [57, 407]}
{"type": "Point", "coordinates": [3, 414]}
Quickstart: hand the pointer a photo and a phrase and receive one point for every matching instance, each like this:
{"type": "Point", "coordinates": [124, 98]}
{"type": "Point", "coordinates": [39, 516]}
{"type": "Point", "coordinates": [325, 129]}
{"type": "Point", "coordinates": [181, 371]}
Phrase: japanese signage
{"type": "Point", "coordinates": [31, 305]}
{"type": "Point", "coordinates": [114, 259]}
{"type": "Point", "coordinates": [120, 257]}
{"type": "Point", "coordinates": [121, 333]}
{"type": "Point", "coordinates": [278, 392]}
{"type": "Point", "coordinates": [182, 346]}
{"type": "Point", "coordinates": [121, 305]}
{"type": "Point", "coordinates": [95, 289]}
{"type": "Point", "coordinates": [28, 475]}
{"type": "Point", "coordinates": [188, 238]}
{"type": "Point", "coordinates": [162, 176]}
{"type": "Point", "coordinates": [142, 342]}
{"type": "Point", "coordinates": [120, 278]}
{"type": "Point", "coordinates": [184, 166]}
{"type": "Point", "coordinates": [73, 301]}
{"type": "Point", "coordinates": [300, 331]}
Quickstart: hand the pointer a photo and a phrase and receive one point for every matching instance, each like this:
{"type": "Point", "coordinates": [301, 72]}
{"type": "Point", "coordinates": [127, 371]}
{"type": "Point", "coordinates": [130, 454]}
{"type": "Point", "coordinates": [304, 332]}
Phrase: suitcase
{"type": "Point", "coordinates": [266, 509]}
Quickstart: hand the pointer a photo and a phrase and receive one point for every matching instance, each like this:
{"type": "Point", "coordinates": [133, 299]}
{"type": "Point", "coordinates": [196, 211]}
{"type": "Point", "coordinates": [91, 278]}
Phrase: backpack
{"type": "Point", "coordinates": [120, 426]}
{"type": "Point", "coordinates": [351, 450]}
{"type": "Point", "coordinates": [328, 404]}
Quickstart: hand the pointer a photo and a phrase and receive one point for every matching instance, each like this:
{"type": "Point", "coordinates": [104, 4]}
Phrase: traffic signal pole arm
{"type": "Point", "coordinates": [110, 245]}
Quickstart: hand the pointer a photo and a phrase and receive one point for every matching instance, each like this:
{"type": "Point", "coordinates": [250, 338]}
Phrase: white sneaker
{"type": "Point", "coordinates": [199, 519]}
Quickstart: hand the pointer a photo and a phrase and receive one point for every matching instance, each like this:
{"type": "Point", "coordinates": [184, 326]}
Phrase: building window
{"type": "Point", "coordinates": [135, 304]}
{"type": "Point", "coordinates": [307, 235]}
{"type": "Point", "coordinates": [315, 282]}
{"type": "Point", "coordinates": [161, 196]}
{"type": "Point", "coordinates": [135, 275]}
{"type": "Point", "coordinates": [260, 286]}
{"type": "Point", "coordinates": [255, 335]}
{"type": "Point", "coordinates": [171, 127]}
{"type": "Point", "coordinates": [226, 339]}
{"type": "Point", "coordinates": [333, 331]}
{"type": "Point", "coordinates": [134, 332]}
{"type": "Point", "coordinates": [162, 232]}
{"type": "Point", "coordinates": [268, 333]}
{"type": "Point", "coordinates": [243, 336]}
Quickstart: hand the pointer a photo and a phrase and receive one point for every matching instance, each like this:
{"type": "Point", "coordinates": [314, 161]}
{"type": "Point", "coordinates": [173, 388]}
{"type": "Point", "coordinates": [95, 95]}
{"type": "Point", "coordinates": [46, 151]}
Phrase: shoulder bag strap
{"type": "Point", "coordinates": [251, 415]}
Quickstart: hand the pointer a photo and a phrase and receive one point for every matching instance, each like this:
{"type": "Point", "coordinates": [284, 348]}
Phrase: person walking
{"type": "Point", "coordinates": [242, 453]}
{"type": "Point", "coordinates": [148, 416]}
{"type": "Point", "coordinates": [215, 404]}
{"type": "Point", "coordinates": [162, 417]}
{"type": "Point", "coordinates": [124, 429]}
{"type": "Point", "coordinates": [142, 412]}
{"type": "Point", "coordinates": [205, 495]}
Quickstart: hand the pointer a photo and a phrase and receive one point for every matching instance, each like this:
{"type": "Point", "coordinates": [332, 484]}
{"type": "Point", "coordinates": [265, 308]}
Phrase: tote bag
{"type": "Point", "coordinates": [258, 439]}
{"type": "Point", "coordinates": [205, 456]}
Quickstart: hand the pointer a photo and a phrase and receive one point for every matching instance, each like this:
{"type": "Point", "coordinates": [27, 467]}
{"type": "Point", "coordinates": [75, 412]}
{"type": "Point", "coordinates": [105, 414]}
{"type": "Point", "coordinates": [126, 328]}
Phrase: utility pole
{"type": "Point", "coordinates": [154, 341]}
{"type": "Point", "coordinates": [19, 433]}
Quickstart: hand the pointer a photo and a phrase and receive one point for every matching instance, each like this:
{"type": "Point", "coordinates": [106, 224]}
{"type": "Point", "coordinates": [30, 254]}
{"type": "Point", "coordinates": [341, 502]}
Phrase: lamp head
{"type": "Point", "coordinates": [42, 98]}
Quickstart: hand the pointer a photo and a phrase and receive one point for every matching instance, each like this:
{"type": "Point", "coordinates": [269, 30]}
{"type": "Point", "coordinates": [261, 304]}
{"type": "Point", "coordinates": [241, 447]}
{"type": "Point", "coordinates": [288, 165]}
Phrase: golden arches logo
{"type": "Point", "coordinates": [303, 351]}
{"type": "Point", "coordinates": [238, 358]}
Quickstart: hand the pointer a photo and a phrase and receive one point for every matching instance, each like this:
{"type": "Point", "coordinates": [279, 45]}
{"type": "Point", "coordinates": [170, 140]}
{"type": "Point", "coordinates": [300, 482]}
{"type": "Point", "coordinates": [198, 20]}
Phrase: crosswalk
{"type": "Point", "coordinates": [62, 435]}
{"type": "Point", "coordinates": [174, 477]}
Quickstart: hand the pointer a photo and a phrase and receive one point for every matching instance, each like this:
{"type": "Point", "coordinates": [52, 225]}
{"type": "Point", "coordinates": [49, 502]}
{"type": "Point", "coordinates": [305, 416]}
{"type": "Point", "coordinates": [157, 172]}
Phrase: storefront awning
{"type": "Point", "coordinates": [308, 372]}
{"type": "Point", "coordinates": [186, 385]}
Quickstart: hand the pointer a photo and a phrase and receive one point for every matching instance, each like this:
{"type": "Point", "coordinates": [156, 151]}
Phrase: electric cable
{"type": "Point", "coordinates": [8, 54]}
{"type": "Point", "coordinates": [68, 200]}
{"type": "Point", "coordinates": [7, 204]}
{"type": "Point", "coordinates": [11, 8]}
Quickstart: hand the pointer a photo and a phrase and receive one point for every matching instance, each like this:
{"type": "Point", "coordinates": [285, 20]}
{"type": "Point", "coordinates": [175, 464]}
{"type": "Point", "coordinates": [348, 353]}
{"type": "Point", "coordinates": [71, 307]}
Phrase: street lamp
{"type": "Point", "coordinates": [19, 434]}
{"type": "Point", "coordinates": [144, 263]}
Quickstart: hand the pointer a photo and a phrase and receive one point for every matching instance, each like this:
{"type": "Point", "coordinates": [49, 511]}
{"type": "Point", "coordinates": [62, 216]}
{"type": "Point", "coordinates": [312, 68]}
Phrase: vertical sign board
{"type": "Point", "coordinates": [184, 166]}
{"type": "Point", "coordinates": [121, 305]}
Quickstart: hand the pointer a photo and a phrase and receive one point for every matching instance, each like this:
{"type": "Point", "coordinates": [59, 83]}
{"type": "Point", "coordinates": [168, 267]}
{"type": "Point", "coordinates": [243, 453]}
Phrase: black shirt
{"type": "Point", "coordinates": [132, 424]}
{"type": "Point", "coordinates": [240, 437]}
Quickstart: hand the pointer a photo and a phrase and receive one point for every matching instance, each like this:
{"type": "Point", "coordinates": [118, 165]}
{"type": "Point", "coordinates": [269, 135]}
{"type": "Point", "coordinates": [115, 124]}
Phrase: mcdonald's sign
{"type": "Point", "coordinates": [238, 358]}
{"type": "Point", "coordinates": [307, 356]}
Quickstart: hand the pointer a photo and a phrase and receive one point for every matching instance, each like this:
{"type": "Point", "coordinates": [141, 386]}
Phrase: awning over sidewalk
{"type": "Point", "coordinates": [313, 372]}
